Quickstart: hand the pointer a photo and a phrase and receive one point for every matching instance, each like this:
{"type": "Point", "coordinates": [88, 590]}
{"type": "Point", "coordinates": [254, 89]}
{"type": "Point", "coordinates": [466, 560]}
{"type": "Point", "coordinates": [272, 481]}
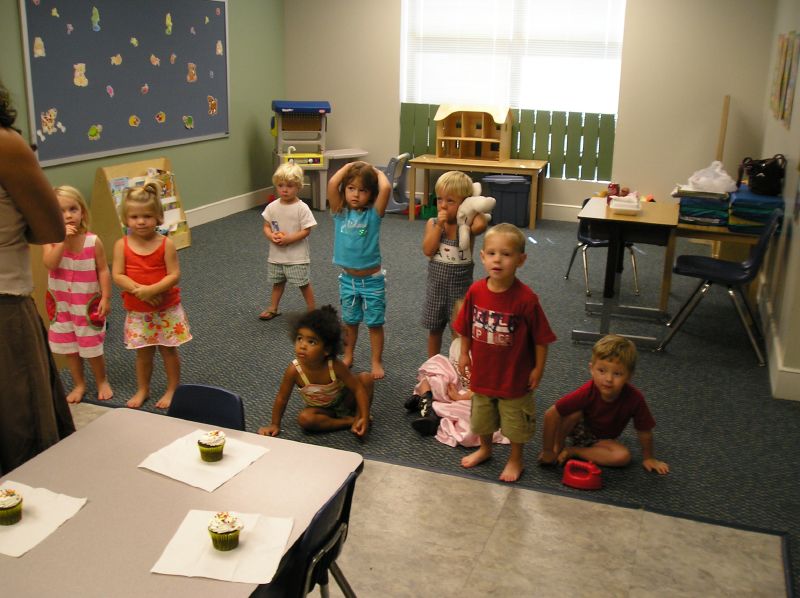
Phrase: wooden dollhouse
{"type": "Point", "coordinates": [473, 132]}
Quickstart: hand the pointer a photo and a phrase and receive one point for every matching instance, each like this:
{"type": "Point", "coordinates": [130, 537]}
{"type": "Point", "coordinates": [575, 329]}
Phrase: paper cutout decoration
{"type": "Point", "coordinates": [191, 72]}
{"type": "Point", "coordinates": [95, 19]}
{"type": "Point", "coordinates": [212, 105]}
{"type": "Point", "coordinates": [211, 74]}
{"type": "Point", "coordinates": [133, 120]}
{"type": "Point", "coordinates": [172, 58]}
{"type": "Point", "coordinates": [168, 23]}
{"type": "Point", "coordinates": [155, 60]}
{"type": "Point", "coordinates": [134, 42]}
{"type": "Point", "coordinates": [192, 30]}
{"type": "Point", "coordinates": [188, 122]}
{"type": "Point", "coordinates": [54, 13]}
{"type": "Point", "coordinates": [218, 12]}
{"type": "Point", "coordinates": [144, 89]}
{"type": "Point", "coordinates": [36, 2]}
{"type": "Point", "coordinates": [116, 60]}
{"type": "Point", "coordinates": [79, 75]}
{"type": "Point", "coordinates": [94, 132]}
{"type": "Point", "coordinates": [70, 28]}
{"type": "Point", "coordinates": [219, 47]}
{"type": "Point", "coordinates": [206, 20]}
{"type": "Point", "coordinates": [38, 48]}
{"type": "Point", "coordinates": [110, 91]}
{"type": "Point", "coordinates": [48, 121]}
{"type": "Point", "coordinates": [161, 117]}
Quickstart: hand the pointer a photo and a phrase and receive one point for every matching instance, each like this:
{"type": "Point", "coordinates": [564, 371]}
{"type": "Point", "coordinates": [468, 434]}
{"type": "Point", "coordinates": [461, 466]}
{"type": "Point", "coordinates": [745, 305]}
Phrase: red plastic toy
{"type": "Point", "coordinates": [583, 475]}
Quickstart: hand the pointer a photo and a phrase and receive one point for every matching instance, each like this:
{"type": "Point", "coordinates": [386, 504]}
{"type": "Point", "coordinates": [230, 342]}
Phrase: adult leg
{"type": "Point", "coordinates": [144, 371]}
{"type": "Point", "coordinates": [98, 365]}
{"type": "Point", "coordinates": [308, 295]}
{"type": "Point", "coordinates": [435, 342]}
{"type": "Point", "coordinates": [75, 364]}
{"type": "Point", "coordinates": [172, 367]}
{"type": "Point", "coordinates": [376, 343]}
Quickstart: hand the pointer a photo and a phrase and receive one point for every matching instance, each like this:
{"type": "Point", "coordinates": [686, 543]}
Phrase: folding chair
{"type": "Point", "coordinates": [585, 241]}
{"type": "Point", "coordinates": [734, 275]}
{"type": "Point", "coordinates": [209, 405]}
{"type": "Point", "coordinates": [315, 553]}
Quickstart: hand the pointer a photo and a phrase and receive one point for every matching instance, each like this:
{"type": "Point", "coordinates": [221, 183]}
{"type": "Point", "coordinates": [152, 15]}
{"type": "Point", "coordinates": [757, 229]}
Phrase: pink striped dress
{"type": "Point", "coordinates": [72, 297]}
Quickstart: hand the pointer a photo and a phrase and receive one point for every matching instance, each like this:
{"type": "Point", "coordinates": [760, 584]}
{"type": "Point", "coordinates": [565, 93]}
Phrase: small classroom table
{"type": "Point", "coordinates": [532, 168]}
{"type": "Point", "coordinates": [654, 224]}
{"type": "Point", "coordinates": [110, 545]}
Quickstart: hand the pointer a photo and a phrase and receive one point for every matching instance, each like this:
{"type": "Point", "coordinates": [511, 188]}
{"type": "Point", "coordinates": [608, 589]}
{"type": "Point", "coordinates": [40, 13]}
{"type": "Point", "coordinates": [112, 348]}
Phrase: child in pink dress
{"type": "Point", "coordinates": [78, 296]}
{"type": "Point", "coordinates": [146, 268]}
{"type": "Point", "coordinates": [335, 398]}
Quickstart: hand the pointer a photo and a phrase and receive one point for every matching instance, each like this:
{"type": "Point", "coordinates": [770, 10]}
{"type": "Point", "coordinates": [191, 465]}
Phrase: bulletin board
{"type": "Point", "coordinates": [110, 77]}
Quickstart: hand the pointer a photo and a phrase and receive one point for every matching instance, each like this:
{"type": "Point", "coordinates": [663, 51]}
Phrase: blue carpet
{"type": "Point", "coordinates": [729, 444]}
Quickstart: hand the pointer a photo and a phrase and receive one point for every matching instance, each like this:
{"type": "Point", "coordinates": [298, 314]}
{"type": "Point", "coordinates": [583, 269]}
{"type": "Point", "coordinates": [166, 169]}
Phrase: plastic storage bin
{"type": "Point", "coordinates": [511, 192]}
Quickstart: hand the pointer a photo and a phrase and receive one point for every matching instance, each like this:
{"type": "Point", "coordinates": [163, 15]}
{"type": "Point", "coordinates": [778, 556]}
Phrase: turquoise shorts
{"type": "Point", "coordinates": [363, 298]}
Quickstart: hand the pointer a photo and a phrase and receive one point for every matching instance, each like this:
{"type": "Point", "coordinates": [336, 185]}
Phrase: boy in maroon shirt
{"type": "Point", "coordinates": [504, 343]}
{"type": "Point", "coordinates": [595, 414]}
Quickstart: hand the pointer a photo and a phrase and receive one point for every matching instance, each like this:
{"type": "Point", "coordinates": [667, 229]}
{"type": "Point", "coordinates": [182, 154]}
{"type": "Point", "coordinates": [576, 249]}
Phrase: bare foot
{"type": "Point", "coordinates": [547, 458]}
{"type": "Point", "coordinates": [104, 391]}
{"type": "Point", "coordinates": [76, 396]}
{"type": "Point", "coordinates": [512, 471]}
{"type": "Point", "coordinates": [564, 455]}
{"type": "Point", "coordinates": [476, 458]}
{"type": "Point", "coordinates": [377, 371]}
{"type": "Point", "coordinates": [166, 400]}
{"type": "Point", "coordinates": [138, 399]}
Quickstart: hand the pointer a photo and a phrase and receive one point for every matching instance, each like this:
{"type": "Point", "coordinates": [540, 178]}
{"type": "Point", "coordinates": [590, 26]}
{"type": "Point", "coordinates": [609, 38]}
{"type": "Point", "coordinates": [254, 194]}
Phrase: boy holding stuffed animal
{"type": "Point", "coordinates": [450, 266]}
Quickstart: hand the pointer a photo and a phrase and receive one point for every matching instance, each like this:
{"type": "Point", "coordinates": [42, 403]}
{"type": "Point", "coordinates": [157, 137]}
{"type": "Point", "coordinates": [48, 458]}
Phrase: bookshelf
{"type": "Point", "coordinates": [473, 132]}
{"type": "Point", "coordinates": [109, 185]}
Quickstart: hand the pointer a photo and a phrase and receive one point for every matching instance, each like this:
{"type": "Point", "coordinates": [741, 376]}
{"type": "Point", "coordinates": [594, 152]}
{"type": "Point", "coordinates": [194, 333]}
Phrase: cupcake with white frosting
{"type": "Point", "coordinates": [10, 506]}
{"type": "Point", "coordinates": [224, 529]}
{"type": "Point", "coordinates": [211, 445]}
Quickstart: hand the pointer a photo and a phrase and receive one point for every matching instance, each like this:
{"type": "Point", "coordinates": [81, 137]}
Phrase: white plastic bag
{"type": "Point", "coordinates": [713, 179]}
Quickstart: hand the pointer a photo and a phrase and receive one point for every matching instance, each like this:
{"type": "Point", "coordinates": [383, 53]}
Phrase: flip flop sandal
{"type": "Point", "coordinates": [268, 315]}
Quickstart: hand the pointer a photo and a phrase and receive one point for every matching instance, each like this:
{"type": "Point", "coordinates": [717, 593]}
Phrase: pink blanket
{"type": "Point", "coordinates": [454, 425]}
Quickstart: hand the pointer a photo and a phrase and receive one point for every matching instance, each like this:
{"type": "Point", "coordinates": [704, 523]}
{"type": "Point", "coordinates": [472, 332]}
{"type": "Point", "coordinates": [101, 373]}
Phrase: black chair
{"type": "Point", "coordinates": [315, 553]}
{"type": "Point", "coordinates": [734, 275]}
{"type": "Point", "coordinates": [585, 241]}
{"type": "Point", "coordinates": [208, 405]}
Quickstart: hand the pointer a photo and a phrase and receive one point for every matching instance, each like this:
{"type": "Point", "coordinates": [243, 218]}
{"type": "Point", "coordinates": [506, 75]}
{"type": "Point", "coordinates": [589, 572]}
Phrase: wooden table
{"type": "Point", "coordinates": [532, 168]}
{"type": "Point", "coordinates": [110, 545]}
{"type": "Point", "coordinates": [655, 224]}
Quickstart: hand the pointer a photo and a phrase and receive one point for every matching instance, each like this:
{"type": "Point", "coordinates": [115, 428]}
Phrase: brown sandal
{"type": "Point", "coordinates": [268, 314]}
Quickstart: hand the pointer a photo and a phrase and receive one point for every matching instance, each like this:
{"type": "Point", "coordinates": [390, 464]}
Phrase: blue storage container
{"type": "Point", "coordinates": [511, 192]}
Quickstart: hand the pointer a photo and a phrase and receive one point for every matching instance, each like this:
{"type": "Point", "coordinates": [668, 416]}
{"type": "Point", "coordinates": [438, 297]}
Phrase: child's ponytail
{"type": "Point", "coordinates": [148, 195]}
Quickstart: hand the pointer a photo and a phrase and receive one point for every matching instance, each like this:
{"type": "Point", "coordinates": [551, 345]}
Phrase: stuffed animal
{"type": "Point", "coordinates": [467, 210]}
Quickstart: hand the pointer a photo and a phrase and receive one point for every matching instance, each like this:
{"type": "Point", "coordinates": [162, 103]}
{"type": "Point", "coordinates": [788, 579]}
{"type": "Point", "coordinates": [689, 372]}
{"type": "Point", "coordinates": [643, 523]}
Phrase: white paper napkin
{"type": "Point", "coordinates": [43, 512]}
{"type": "Point", "coordinates": [181, 461]}
{"type": "Point", "coordinates": [262, 542]}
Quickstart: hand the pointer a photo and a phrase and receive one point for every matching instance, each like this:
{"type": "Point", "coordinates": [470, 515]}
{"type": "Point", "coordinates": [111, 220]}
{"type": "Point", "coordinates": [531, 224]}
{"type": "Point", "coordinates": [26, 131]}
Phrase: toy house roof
{"type": "Point", "coordinates": [498, 113]}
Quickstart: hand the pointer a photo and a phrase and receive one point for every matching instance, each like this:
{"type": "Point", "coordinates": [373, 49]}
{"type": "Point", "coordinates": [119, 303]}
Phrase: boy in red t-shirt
{"type": "Point", "coordinates": [504, 343]}
{"type": "Point", "coordinates": [595, 414]}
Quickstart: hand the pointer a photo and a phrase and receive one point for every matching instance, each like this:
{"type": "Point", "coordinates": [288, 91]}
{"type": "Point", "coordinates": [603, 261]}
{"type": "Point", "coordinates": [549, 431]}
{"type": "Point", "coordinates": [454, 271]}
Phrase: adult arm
{"type": "Point", "coordinates": [23, 179]}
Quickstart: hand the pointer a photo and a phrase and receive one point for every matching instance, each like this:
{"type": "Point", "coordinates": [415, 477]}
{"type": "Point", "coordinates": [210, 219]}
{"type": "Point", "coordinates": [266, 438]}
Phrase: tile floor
{"type": "Point", "coordinates": [417, 533]}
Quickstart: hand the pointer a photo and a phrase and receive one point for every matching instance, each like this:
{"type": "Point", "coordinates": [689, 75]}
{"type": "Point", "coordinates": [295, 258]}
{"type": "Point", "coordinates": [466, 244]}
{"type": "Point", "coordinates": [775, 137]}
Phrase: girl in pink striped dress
{"type": "Point", "coordinates": [78, 296]}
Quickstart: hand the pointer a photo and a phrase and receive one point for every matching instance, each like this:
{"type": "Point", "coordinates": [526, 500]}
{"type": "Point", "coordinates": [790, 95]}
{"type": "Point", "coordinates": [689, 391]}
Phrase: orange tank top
{"type": "Point", "coordinates": [146, 270]}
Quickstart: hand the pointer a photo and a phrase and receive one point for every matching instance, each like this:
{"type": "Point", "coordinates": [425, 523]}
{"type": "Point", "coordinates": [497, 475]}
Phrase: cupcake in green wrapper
{"type": "Point", "coordinates": [211, 445]}
{"type": "Point", "coordinates": [10, 507]}
{"type": "Point", "coordinates": [224, 529]}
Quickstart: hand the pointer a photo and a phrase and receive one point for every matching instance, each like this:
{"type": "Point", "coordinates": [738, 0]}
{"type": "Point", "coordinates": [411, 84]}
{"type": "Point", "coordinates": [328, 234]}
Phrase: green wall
{"type": "Point", "coordinates": [207, 171]}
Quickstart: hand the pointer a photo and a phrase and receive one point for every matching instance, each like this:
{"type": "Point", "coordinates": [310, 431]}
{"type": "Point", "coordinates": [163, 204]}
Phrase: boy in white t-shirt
{"type": "Point", "coordinates": [287, 224]}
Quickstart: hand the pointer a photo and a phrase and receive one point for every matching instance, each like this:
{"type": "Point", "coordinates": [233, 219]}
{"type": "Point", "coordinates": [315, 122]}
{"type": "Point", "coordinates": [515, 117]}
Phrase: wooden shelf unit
{"type": "Point", "coordinates": [106, 220]}
{"type": "Point", "coordinates": [473, 132]}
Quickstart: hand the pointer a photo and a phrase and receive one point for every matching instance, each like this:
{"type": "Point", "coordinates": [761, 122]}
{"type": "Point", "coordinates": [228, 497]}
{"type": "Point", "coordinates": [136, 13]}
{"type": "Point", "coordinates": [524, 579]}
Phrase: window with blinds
{"type": "Point", "coordinates": [556, 55]}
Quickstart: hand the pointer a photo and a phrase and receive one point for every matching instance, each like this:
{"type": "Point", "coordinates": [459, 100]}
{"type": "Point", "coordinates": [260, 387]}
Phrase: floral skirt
{"type": "Point", "coordinates": [168, 327]}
